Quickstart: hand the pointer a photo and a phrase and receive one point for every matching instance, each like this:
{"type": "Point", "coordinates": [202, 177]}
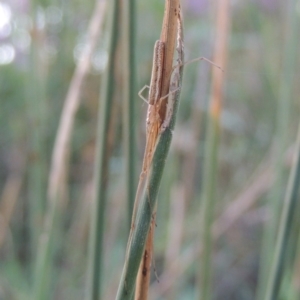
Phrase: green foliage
{"type": "Point", "coordinates": [247, 132]}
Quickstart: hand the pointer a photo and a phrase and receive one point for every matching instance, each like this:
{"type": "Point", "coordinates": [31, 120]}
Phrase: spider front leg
{"type": "Point", "coordinates": [141, 91]}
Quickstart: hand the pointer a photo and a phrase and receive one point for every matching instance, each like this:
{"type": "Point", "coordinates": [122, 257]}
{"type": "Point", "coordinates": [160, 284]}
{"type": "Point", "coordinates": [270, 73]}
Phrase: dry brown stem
{"type": "Point", "coordinates": [220, 57]}
{"type": "Point", "coordinates": [62, 141]}
{"type": "Point", "coordinates": [168, 36]}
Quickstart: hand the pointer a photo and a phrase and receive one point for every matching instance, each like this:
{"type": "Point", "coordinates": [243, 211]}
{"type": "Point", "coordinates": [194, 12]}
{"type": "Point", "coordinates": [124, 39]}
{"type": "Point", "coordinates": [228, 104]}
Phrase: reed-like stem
{"type": "Point", "coordinates": [144, 217]}
{"type": "Point", "coordinates": [160, 111]}
{"type": "Point", "coordinates": [209, 183]}
{"type": "Point", "coordinates": [60, 156]}
{"type": "Point", "coordinates": [37, 169]}
{"type": "Point", "coordinates": [286, 223]}
{"type": "Point", "coordinates": [280, 141]}
{"type": "Point", "coordinates": [212, 146]}
{"type": "Point", "coordinates": [130, 95]}
{"type": "Point", "coordinates": [95, 260]}
{"type": "Point", "coordinates": [37, 115]}
{"type": "Point", "coordinates": [147, 196]}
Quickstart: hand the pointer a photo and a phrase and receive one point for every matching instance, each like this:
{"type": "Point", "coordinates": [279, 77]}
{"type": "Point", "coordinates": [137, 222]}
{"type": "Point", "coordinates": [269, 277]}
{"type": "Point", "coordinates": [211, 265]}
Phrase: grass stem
{"type": "Point", "coordinates": [95, 259]}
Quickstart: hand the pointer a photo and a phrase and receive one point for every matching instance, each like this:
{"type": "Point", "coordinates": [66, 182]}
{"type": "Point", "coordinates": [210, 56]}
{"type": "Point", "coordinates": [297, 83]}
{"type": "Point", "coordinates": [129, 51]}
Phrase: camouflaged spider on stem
{"type": "Point", "coordinates": [156, 77]}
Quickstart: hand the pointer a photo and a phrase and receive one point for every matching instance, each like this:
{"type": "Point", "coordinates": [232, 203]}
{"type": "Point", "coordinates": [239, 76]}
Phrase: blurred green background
{"type": "Point", "coordinates": [40, 45]}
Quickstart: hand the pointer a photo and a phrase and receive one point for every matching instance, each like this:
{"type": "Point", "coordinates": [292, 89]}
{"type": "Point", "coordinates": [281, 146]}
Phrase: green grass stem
{"type": "Point", "coordinates": [144, 216]}
{"type": "Point", "coordinates": [51, 236]}
{"type": "Point", "coordinates": [211, 150]}
{"type": "Point", "coordinates": [130, 95]}
{"type": "Point", "coordinates": [286, 223]}
{"type": "Point", "coordinates": [148, 202]}
{"type": "Point", "coordinates": [95, 260]}
{"type": "Point", "coordinates": [280, 141]}
{"type": "Point", "coordinates": [209, 195]}
{"type": "Point", "coordinates": [37, 113]}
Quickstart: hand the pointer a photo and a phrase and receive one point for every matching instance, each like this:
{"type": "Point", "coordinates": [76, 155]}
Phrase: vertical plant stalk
{"type": "Point", "coordinates": [168, 35]}
{"type": "Point", "coordinates": [212, 146]}
{"type": "Point", "coordinates": [72, 102]}
{"type": "Point", "coordinates": [61, 149]}
{"type": "Point", "coordinates": [37, 114]}
{"type": "Point", "coordinates": [94, 283]}
{"type": "Point", "coordinates": [37, 167]}
{"type": "Point", "coordinates": [129, 69]}
{"type": "Point", "coordinates": [159, 135]}
{"type": "Point", "coordinates": [280, 141]}
{"type": "Point", "coordinates": [286, 223]}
